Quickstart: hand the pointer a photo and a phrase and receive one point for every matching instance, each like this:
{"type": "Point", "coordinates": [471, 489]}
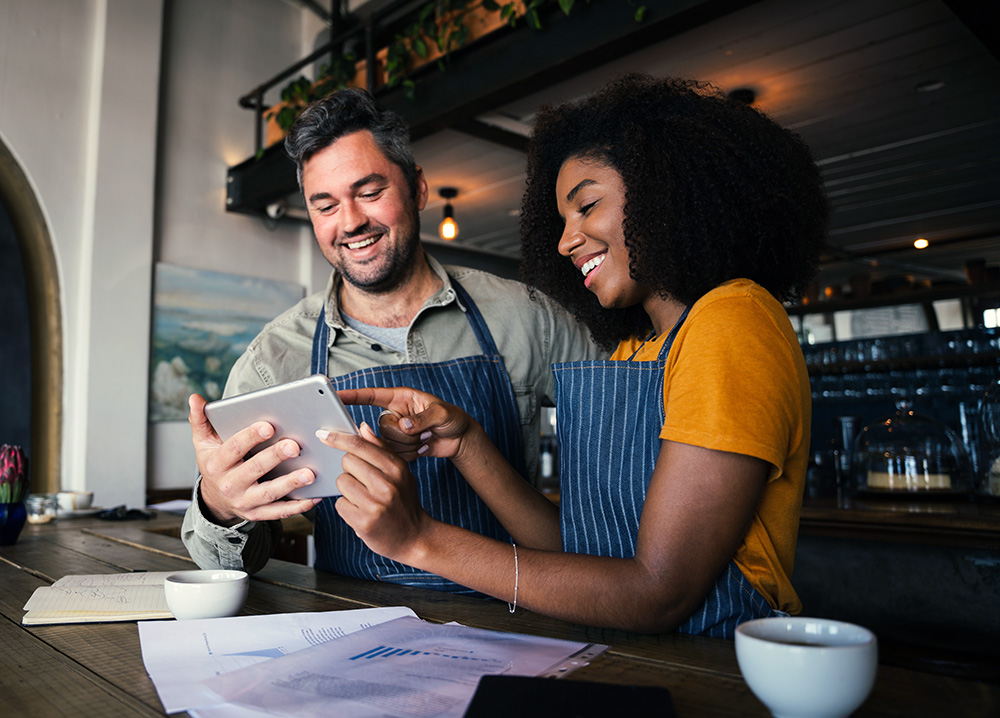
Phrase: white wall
{"type": "Point", "coordinates": [214, 53]}
{"type": "Point", "coordinates": [126, 178]}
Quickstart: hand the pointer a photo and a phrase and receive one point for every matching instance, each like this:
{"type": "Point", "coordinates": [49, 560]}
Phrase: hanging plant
{"type": "Point", "coordinates": [301, 92]}
{"type": "Point", "coordinates": [440, 28]}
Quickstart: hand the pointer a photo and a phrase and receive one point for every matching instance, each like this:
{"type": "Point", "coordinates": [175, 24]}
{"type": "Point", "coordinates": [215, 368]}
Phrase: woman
{"type": "Point", "coordinates": [682, 219]}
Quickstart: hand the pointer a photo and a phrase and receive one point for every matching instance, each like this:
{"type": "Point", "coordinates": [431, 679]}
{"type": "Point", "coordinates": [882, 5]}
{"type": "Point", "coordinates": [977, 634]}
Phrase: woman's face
{"type": "Point", "coordinates": [590, 197]}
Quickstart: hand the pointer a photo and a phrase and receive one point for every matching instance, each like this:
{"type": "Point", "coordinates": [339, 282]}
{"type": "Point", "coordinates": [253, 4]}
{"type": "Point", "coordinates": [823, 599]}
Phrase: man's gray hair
{"type": "Point", "coordinates": [342, 113]}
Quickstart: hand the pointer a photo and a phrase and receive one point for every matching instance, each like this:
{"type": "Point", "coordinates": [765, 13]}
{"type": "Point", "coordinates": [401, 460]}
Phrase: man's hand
{"type": "Point", "coordinates": [417, 423]}
{"type": "Point", "coordinates": [229, 489]}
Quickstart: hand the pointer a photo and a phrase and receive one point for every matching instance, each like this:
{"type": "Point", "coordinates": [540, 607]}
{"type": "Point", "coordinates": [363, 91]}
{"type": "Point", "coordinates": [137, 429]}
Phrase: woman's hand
{"type": "Point", "coordinates": [417, 423]}
{"type": "Point", "coordinates": [445, 431]}
{"type": "Point", "coordinates": [380, 500]}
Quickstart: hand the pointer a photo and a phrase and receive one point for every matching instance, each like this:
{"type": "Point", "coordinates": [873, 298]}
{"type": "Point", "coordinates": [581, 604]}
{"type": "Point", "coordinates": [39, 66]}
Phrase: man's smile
{"type": "Point", "coordinates": [359, 244]}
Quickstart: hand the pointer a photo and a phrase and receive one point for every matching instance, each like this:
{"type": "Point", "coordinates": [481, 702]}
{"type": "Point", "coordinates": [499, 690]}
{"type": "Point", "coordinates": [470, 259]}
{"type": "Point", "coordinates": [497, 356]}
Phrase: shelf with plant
{"type": "Point", "coordinates": [438, 29]}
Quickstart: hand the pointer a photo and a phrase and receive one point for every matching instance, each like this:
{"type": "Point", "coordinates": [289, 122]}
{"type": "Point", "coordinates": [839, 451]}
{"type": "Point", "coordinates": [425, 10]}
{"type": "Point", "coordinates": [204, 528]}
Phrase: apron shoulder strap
{"type": "Point", "coordinates": [321, 336]}
{"type": "Point", "coordinates": [479, 327]}
{"type": "Point", "coordinates": [665, 348]}
{"type": "Point", "coordinates": [320, 347]}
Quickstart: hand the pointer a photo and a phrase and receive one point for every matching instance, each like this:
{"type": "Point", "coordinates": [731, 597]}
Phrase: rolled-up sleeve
{"type": "Point", "coordinates": [245, 547]}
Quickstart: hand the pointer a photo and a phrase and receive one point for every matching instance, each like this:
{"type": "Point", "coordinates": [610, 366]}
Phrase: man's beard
{"type": "Point", "coordinates": [395, 264]}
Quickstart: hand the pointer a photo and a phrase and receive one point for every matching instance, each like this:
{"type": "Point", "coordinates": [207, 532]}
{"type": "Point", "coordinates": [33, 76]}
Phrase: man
{"type": "Point", "coordinates": [390, 316]}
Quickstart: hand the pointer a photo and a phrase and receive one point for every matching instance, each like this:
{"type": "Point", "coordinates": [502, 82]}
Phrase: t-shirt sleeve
{"type": "Point", "coordinates": [731, 383]}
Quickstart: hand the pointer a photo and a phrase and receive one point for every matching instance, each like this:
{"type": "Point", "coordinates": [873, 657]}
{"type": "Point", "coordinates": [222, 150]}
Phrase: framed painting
{"type": "Point", "coordinates": [202, 322]}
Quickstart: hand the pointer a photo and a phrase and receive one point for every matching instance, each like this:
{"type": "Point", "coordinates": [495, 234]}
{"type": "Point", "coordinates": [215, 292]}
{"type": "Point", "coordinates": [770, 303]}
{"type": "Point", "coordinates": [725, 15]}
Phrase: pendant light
{"type": "Point", "coordinates": [448, 229]}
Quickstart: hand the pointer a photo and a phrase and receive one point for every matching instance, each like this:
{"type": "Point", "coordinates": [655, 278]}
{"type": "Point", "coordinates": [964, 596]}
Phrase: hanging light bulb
{"type": "Point", "coordinates": [448, 229]}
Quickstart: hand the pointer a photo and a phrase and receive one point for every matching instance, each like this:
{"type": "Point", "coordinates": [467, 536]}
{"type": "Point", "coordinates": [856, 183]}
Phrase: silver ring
{"type": "Point", "coordinates": [390, 412]}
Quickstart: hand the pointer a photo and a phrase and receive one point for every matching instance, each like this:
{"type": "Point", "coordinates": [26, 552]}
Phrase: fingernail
{"type": "Point", "coordinates": [288, 450]}
{"type": "Point", "coordinates": [305, 478]}
{"type": "Point", "coordinates": [322, 434]}
{"type": "Point", "coordinates": [406, 423]}
{"type": "Point", "coordinates": [422, 449]}
{"type": "Point", "coordinates": [426, 435]}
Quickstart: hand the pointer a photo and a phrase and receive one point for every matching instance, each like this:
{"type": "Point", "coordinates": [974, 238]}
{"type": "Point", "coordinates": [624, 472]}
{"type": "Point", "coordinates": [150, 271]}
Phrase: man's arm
{"type": "Point", "coordinates": [245, 547]}
{"type": "Point", "coordinates": [232, 521]}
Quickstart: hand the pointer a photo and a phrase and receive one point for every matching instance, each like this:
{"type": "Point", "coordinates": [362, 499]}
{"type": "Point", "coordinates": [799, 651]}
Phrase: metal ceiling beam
{"type": "Point", "coordinates": [317, 10]}
{"type": "Point", "coordinates": [489, 133]}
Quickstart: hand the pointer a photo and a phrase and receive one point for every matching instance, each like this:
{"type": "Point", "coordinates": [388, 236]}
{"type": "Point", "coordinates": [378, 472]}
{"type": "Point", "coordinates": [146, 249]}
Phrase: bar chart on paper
{"type": "Point", "coordinates": [390, 651]}
{"type": "Point", "coordinates": [405, 668]}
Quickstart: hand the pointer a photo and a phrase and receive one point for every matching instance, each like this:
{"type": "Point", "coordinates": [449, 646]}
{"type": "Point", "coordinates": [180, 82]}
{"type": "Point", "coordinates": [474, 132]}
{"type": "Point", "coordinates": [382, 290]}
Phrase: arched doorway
{"type": "Point", "coordinates": [24, 219]}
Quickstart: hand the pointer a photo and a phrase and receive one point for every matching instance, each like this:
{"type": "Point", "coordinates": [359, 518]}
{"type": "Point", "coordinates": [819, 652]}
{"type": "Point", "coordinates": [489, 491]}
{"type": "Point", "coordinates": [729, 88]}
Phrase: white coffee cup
{"type": "Point", "coordinates": [74, 500]}
{"type": "Point", "coordinates": [209, 593]}
{"type": "Point", "coordinates": [807, 667]}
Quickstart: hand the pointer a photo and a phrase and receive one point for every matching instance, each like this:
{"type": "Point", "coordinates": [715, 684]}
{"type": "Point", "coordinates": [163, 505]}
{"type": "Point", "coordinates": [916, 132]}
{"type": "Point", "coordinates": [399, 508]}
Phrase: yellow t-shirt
{"type": "Point", "coordinates": [736, 381]}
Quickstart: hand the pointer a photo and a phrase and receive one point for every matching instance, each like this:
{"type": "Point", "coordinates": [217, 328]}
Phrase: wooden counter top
{"type": "Point", "coordinates": [927, 520]}
{"type": "Point", "coordinates": [96, 669]}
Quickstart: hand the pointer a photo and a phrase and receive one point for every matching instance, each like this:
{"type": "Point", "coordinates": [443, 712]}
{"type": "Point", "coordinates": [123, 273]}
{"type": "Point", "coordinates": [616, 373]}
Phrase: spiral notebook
{"type": "Point", "coordinates": [98, 598]}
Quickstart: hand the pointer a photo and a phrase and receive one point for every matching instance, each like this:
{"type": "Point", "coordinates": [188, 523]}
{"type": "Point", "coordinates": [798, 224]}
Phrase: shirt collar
{"type": "Point", "coordinates": [442, 297]}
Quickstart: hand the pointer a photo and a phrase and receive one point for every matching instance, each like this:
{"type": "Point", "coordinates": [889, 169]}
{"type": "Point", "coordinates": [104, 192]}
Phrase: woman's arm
{"type": "Point", "coordinates": [445, 431]}
{"type": "Point", "coordinates": [529, 517]}
{"type": "Point", "coordinates": [697, 510]}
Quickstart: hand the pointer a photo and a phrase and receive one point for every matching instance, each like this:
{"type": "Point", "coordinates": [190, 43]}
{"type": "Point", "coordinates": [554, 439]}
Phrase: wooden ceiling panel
{"type": "Point", "coordinates": [845, 74]}
{"type": "Point", "coordinates": [899, 162]}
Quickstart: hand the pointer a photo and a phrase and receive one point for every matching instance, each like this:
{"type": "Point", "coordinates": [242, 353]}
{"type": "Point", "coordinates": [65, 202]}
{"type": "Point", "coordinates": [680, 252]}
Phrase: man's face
{"type": "Point", "coordinates": [365, 220]}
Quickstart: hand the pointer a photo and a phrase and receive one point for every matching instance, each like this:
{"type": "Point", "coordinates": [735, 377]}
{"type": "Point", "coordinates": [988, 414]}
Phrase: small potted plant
{"type": "Point", "coordinates": [13, 489]}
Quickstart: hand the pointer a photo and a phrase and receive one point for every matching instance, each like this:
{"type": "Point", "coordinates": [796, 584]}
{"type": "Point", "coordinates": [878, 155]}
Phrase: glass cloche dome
{"type": "Point", "coordinates": [910, 453]}
{"type": "Point", "coordinates": [989, 410]}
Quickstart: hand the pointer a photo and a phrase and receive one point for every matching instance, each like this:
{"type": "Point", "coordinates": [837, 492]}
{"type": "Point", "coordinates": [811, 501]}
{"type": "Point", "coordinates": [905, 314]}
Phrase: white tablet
{"type": "Point", "coordinates": [295, 410]}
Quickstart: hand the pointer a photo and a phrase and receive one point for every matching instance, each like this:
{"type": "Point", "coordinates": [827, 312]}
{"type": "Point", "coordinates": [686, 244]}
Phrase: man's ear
{"type": "Point", "coordinates": [421, 186]}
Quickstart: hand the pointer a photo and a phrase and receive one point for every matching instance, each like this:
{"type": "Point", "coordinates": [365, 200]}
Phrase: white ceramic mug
{"type": "Point", "coordinates": [807, 667]}
{"type": "Point", "coordinates": [75, 500]}
{"type": "Point", "coordinates": [209, 593]}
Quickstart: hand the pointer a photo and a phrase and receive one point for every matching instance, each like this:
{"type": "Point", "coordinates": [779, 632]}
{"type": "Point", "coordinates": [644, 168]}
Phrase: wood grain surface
{"type": "Point", "coordinates": [96, 669]}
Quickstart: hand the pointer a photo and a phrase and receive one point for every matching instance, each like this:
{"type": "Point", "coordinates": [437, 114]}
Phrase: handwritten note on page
{"type": "Point", "coordinates": [99, 597]}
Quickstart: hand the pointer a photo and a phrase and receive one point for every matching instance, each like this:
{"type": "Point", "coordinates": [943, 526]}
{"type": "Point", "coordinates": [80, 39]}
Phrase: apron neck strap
{"type": "Point", "coordinates": [665, 349]}
{"type": "Point", "coordinates": [319, 361]}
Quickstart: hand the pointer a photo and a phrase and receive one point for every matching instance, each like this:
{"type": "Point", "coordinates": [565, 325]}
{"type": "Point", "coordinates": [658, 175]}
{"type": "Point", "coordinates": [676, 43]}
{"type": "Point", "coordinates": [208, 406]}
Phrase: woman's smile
{"type": "Point", "coordinates": [590, 266]}
{"type": "Point", "coordinates": [590, 196]}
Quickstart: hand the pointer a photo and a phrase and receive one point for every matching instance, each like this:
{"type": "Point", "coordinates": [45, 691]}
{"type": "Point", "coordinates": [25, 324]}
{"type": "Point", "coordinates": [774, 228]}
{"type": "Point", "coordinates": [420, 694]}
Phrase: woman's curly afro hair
{"type": "Point", "coordinates": [714, 190]}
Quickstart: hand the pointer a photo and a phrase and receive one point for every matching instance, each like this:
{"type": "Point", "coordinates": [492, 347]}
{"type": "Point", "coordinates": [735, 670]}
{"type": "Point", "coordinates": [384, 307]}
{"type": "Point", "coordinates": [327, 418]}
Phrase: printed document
{"type": "Point", "coordinates": [404, 668]}
{"type": "Point", "coordinates": [179, 654]}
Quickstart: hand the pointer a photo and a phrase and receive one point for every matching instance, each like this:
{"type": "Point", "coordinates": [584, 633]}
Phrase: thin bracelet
{"type": "Point", "coordinates": [513, 606]}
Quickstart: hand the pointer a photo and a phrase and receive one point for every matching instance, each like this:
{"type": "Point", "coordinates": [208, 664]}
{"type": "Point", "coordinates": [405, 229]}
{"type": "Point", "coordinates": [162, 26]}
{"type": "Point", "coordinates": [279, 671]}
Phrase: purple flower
{"type": "Point", "coordinates": [13, 474]}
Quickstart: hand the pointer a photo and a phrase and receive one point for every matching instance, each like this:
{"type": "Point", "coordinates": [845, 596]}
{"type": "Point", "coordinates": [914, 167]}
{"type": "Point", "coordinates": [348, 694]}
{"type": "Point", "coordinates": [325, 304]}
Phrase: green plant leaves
{"type": "Point", "coordinates": [439, 24]}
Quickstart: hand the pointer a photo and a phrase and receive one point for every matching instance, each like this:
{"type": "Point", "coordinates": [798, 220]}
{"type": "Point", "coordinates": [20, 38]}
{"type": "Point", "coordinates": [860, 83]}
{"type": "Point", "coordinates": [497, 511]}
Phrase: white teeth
{"type": "Point", "coordinates": [593, 264]}
{"type": "Point", "coordinates": [362, 243]}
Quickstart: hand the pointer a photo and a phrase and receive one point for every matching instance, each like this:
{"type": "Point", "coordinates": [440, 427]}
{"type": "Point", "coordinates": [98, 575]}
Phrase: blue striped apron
{"type": "Point", "coordinates": [609, 415]}
{"type": "Point", "coordinates": [480, 385]}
